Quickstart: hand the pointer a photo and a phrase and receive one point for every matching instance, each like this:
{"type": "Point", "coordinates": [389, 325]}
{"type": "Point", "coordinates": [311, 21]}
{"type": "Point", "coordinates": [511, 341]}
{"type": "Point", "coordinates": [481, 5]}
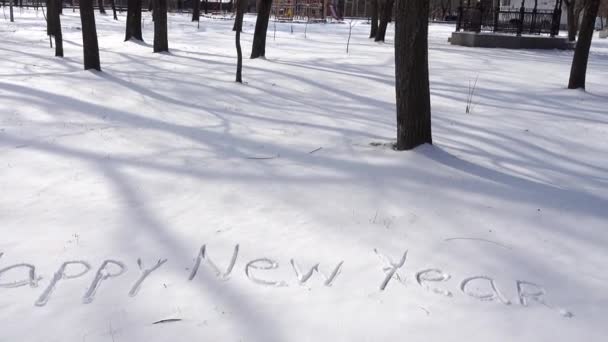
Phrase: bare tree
{"type": "Point", "coordinates": [133, 25]}
{"type": "Point", "coordinates": [10, 5]}
{"type": "Point", "coordinates": [240, 9]}
{"type": "Point", "coordinates": [196, 10]}
{"type": "Point", "coordinates": [374, 19]}
{"type": "Point", "coordinates": [161, 40]}
{"type": "Point", "coordinates": [54, 25]}
{"type": "Point", "coordinates": [100, 5]}
{"type": "Point", "coordinates": [89, 36]}
{"type": "Point", "coordinates": [578, 72]}
{"type": "Point", "coordinates": [412, 74]}
{"type": "Point", "coordinates": [573, 8]}
{"type": "Point", "coordinates": [113, 4]}
{"type": "Point", "coordinates": [385, 12]}
{"type": "Point", "coordinates": [258, 48]}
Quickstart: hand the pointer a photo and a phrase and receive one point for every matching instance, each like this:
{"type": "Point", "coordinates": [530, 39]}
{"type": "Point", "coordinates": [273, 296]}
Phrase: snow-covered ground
{"type": "Point", "coordinates": [161, 154]}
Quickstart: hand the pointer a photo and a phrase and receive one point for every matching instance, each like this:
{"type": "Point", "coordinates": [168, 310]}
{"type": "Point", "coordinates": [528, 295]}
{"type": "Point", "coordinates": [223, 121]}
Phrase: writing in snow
{"type": "Point", "coordinates": [25, 275]}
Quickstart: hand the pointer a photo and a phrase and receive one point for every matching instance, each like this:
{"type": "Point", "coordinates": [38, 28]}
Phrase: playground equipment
{"type": "Point", "coordinates": [298, 10]}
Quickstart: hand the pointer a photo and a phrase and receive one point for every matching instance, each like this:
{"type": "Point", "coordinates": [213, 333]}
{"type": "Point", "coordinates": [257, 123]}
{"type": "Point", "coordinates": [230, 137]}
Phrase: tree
{"type": "Point", "coordinates": [53, 26]}
{"type": "Point", "coordinates": [240, 9]}
{"type": "Point", "coordinates": [573, 8]}
{"type": "Point", "coordinates": [258, 48]}
{"type": "Point", "coordinates": [113, 4]}
{"type": "Point", "coordinates": [89, 36]}
{"type": "Point", "coordinates": [100, 5]}
{"type": "Point", "coordinates": [133, 24]}
{"type": "Point", "coordinates": [161, 41]}
{"type": "Point", "coordinates": [10, 5]}
{"type": "Point", "coordinates": [578, 72]}
{"type": "Point", "coordinates": [374, 19]}
{"type": "Point", "coordinates": [196, 10]}
{"type": "Point", "coordinates": [385, 12]}
{"type": "Point", "coordinates": [412, 74]}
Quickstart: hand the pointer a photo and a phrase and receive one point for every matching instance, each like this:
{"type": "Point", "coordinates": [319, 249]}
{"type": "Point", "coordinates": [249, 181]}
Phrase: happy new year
{"type": "Point", "coordinates": [24, 274]}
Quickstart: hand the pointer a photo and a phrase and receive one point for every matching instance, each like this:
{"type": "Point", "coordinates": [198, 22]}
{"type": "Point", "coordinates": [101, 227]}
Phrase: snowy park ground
{"type": "Point", "coordinates": [162, 153]}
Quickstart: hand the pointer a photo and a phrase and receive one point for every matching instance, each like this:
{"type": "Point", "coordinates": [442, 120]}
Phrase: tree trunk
{"type": "Point", "coordinates": [10, 4]}
{"type": "Point", "coordinates": [572, 19]}
{"type": "Point", "coordinates": [113, 4]}
{"type": "Point", "coordinates": [196, 10]}
{"type": "Point", "coordinates": [89, 36]}
{"type": "Point", "coordinates": [385, 12]}
{"type": "Point", "coordinates": [240, 9]}
{"type": "Point", "coordinates": [161, 41]}
{"type": "Point", "coordinates": [374, 20]}
{"type": "Point", "coordinates": [50, 18]}
{"type": "Point", "coordinates": [133, 29]}
{"type": "Point", "coordinates": [58, 35]}
{"type": "Point", "coordinates": [53, 25]}
{"type": "Point", "coordinates": [100, 5]}
{"type": "Point", "coordinates": [578, 71]}
{"type": "Point", "coordinates": [258, 48]}
{"type": "Point", "coordinates": [412, 74]}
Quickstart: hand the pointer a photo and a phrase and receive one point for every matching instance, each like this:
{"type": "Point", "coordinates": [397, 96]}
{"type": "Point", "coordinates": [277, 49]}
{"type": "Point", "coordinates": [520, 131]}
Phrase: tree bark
{"type": "Point", "coordinates": [58, 34]}
{"type": "Point", "coordinates": [100, 5]}
{"type": "Point", "coordinates": [53, 27]}
{"type": "Point", "coordinates": [374, 20]}
{"type": "Point", "coordinates": [240, 9]}
{"type": "Point", "coordinates": [161, 41]}
{"type": "Point", "coordinates": [412, 74]}
{"type": "Point", "coordinates": [258, 48]}
{"type": "Point", "coordinates": [10, 5]}
{"type": "Point", "coordinates": [89, 36]}
{"type": "Point", "coordinates": [578, 72]}
{"type": "Point", "coordinates": [113, 4]}
{"type": "Point", "coordinates": [196, 10]}
{"type": "Point", "coordinates": [133, 25]}
{"type": "Point", "coordinates": [385, 12]}
{"type": "Point", "coordinates": [572, 17]}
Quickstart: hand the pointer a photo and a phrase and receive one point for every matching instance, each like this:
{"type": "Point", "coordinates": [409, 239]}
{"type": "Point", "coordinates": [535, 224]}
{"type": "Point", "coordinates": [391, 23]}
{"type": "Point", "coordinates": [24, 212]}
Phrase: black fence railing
{"type": "Point", "coordinates": [522, 21]}
{"type": "Point", "coordinates": [121, 5]}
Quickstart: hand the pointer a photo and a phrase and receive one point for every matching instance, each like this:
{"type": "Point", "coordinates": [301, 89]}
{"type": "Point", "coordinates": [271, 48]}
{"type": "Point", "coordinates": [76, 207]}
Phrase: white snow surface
{"type": "Point", "coordinates": [160, 154]}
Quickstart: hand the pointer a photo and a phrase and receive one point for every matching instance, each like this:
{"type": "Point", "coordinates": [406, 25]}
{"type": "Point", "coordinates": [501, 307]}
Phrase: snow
{"type": "Point", "coordinates": [161, 154]}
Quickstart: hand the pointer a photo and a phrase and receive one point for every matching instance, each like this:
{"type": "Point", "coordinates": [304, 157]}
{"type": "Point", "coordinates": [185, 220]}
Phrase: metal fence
{"type": "Point", "coordinates": [522, 21]}
{"type": "Point", "coordinates": [121, 5]}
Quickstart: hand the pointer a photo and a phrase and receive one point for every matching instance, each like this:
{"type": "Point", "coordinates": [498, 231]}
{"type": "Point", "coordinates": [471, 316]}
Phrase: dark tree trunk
{"type": "Point", "coordinates": [89, 36]}
{"type": "Point", "coordinates": [578, 71]}
{"type": "Point", "coordinates": [385, 12]}
{"type": "Point", "coordinates": [572, 16]}
{"type": "Point", "coordinates": [161, 41]}
{"type": "Point", "coordinates": [206, 6]}
{"type": "Point", "coordinates": [10, 5]}
{"type": "Point", "coordinates": [58, 35]}
{"type": "Point", "coordinates": [133, 29]}
{"type": "Point", "coordinates": [100, 5]}
{"type": "Point", "coordinates": [374, 20]}
{"type": "Point", "coordinates": [50, 18]}
{"type": "Point", "coordinates": [258, 48]}
{"type": "Point", "coordinates": [412, 74]}
{"type": "Point", "coordinates": [53, 27]}
{"type": "Point", "coordinates": [113, 4]}
{"type": "Point", "coordinates": [240, 9]}
{"type": "Point", "coordinates": [196, 10]}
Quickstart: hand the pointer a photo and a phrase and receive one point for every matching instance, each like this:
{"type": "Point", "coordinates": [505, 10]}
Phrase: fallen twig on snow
{"type": "Point", "coordinates": [315, 150]}
{"type": "Point", "coordinates": [168, 320]}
